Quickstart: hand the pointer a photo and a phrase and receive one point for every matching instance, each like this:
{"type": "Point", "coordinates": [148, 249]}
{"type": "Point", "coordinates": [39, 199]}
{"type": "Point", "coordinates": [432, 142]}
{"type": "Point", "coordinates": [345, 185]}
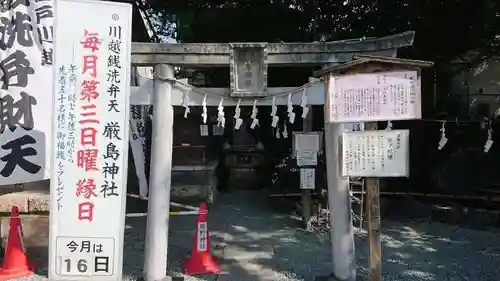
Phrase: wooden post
{"type": "Point", "coordinates": [306, 193]}
{"type": "Point", "coordinates": [373, 210]}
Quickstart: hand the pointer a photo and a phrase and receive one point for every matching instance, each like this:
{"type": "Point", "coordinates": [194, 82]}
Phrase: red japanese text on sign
{"type": "Point", "coordinates": [91, 41]}
{"type": "Point", "coordinates": [86, 188]}
{"type": "Point", "coordinates": [88, 136]}
{"type": "Point", "coordinates": [86, 211]}
{"type": "Point", "coordinates": [87, 158]}
{"type": "Point", "coordinates": [90, 65]}
{"type": "Point", "coordinates": [89, 90]}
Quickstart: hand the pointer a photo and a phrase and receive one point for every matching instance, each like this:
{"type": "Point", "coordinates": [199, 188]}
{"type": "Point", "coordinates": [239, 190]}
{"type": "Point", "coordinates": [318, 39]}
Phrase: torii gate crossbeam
{"type": "Point", "coordinates": [278, 54]}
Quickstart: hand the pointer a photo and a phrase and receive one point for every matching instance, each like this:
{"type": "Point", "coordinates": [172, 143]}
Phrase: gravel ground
{"type": "Point", "coordinates": [255, 243]}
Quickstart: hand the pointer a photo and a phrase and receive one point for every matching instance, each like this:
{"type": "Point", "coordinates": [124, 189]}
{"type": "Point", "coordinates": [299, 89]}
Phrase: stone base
{"type": "Point", "coordinates": [193, 193]}
{"type": "Point", "coordinates": [194, 183]}
{"type": "Point", "coordinates": [166, 278]}
{"type": "Point", "coordinates": [329, 278]}
{"type": "Point", "coordinates": [35, 230]}
{"type": "Point", "coordinates": [31, 198]}
{"type": "Point", "coordinates": [451, 214]}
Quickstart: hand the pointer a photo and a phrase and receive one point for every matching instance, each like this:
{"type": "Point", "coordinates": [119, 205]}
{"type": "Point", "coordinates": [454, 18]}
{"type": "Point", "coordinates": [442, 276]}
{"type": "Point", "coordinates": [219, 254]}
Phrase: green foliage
{"type": "Point", "coordinates": [445, 28]}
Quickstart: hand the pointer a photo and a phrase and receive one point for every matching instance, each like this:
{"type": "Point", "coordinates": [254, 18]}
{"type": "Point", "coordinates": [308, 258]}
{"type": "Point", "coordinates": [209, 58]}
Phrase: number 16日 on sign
{"type": "Point", "coordinates": [85, 256]}
{"type": "Point", "coordinates": [84, 266]}
{"type": "Point", "coordinates": [73, 266]}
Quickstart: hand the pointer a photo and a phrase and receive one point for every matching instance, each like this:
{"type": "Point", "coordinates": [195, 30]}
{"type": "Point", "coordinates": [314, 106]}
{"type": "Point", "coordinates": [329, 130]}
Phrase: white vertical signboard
{"type": "Point", "coordinates": [375, 153]}
{"type": "Point", "coordinates": [26, 48]}
{"type": "Point", "coordinates": [91, 114]}
{"type": "Point", "coordinates": [379, 96]}
{"type": "Point", "coordinates": [307, 178]}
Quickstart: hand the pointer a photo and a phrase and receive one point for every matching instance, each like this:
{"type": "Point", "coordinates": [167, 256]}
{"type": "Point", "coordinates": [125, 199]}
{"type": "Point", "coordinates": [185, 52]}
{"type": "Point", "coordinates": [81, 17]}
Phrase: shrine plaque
{"type": "Point", "coordinates": [377, 96]}
{"type": "Point", "coordinates": [375, 153]}
{"type": "Point", "coordinates": [248, 69]}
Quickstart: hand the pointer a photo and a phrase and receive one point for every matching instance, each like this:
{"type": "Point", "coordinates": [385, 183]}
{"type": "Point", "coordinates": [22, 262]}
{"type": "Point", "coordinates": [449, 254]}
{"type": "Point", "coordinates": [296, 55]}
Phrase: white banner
{"type": "Point", "coordinates": [26, 47]}
{"type": "Point", "coordinates": [91, 113]}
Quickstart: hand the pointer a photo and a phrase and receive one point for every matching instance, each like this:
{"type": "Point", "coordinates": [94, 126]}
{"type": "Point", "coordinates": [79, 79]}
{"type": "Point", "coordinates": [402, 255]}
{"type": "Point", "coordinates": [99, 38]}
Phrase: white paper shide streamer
{"type": "Point", "coordinates": [255, 120]}
{"type": "Point", "coordinates": [221, 120]}
{"type": "Point", "coordinates": [291, 114]}
{"type": "Point", "coordinates": [237, 112]}
{"type": "Point", "coordinates": [285, 131]}
{"type": "Point", "coordinates": [274, 110]}
{"type": "Point", "coordinates": [444, 139]}
{"type": "Point", "coordinates": [489, 141]}
{"type": "Point", "coordinates": [303, 104]}
{"type": "Point", "coordinates": [185, 104]}
{"type": "Point", "coordinates": [483, 122]}
{"type": "Point", "coordinates": [204, 114]}
{"type": "Point", "coordinates": [389, 126]}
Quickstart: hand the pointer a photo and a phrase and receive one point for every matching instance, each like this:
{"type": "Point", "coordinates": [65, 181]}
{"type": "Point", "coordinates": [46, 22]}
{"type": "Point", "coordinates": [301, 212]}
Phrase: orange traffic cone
{"type": "Point", "coordinates": [201, 261]}
{"type": "Point", "coordinates": [15, 261]}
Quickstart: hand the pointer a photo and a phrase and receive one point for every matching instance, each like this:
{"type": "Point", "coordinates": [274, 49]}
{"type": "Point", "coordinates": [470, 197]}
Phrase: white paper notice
{"type": "Point", "coordinates": [375, 153]}
{"type": "Point", "coordinates": [307, 158]}
{"type": "Point", "coordinates": [307, 178]}
{"type": "Point", "coordinates": [377, 96]}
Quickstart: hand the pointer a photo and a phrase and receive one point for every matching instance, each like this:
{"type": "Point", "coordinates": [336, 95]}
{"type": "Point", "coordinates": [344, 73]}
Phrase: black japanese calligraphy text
{"type": "Point", "coordinates": [18, 149]}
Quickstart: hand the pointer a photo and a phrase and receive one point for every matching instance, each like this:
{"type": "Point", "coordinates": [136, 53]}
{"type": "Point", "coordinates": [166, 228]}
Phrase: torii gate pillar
{"type": "Point", "coordinates": [156, 247]}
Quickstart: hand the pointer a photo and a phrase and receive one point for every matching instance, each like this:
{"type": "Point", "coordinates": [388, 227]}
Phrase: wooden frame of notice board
{"type": "Point", "coordinates": [368, 89]}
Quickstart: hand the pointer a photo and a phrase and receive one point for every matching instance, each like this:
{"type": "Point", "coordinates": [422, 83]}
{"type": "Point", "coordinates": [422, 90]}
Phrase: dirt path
{"type": "Point", "coordinates": [255, 243]}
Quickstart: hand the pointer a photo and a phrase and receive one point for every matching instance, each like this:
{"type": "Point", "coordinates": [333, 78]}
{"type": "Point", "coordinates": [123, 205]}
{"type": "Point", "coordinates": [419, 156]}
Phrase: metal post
{"type": "Point", "coordinates": [156, 248]}
{"type": "Point", "coordinates": [339, 201]}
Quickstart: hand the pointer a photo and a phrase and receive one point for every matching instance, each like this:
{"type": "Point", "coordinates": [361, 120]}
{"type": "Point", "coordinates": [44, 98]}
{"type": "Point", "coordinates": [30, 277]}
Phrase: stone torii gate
{"type": "Point", "coordinates": [248, 63]}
